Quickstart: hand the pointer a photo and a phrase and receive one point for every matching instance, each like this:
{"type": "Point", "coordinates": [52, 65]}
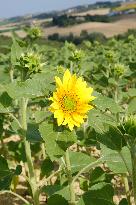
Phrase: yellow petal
{"type": "Point", "coordinates": [60, 116]}
{"type": "Point", "coordinates": [55, 105]}
{"type": "Point", "coordinates": [58, 81]}
{"type": "Point", "coordinates": [66, 78]}
{"type": "Point", "coordinates": [78, 118]}
{"type": "Point", "coordinates": [71, 126]}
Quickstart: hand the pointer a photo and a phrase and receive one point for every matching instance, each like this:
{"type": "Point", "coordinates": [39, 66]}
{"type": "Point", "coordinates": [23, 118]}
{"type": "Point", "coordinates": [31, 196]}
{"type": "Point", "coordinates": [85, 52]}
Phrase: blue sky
{"type": "Point", "coordinates": [10, 8]}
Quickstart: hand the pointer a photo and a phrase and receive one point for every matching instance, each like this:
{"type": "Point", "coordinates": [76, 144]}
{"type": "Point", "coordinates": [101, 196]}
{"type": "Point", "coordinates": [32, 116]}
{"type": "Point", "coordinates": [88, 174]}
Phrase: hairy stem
{"type": "Point", "coordinates": [88, 167]}
{"type": "Point", "coordinates": [127, 189]}
{"type": "Point", "coordinates": [31, 173]}
{"type": "Point", "coordinates": [133, 159]}
{"type": "Point", "coordinates": [11, 73]}
{"type": "Point", "coordinates": [70, 179]}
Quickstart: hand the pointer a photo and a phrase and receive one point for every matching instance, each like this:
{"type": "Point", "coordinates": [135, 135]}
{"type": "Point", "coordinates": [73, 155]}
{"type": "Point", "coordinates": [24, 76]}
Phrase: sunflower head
{"type": "Point", "coordinates": [130, 126]}
{"type": "Point", "coordinates": [31, 62]}
{"type": "Point", "coordinates": [119, 69]}
{"type": "Point", "coordinates": [71, 100]}
{"type": "Point", "coordinates": [77, 55]}
{"type": "Point", "coordinates": [34, 33]}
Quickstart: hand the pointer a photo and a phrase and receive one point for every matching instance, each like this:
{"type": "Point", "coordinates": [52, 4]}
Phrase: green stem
{"type": "Point", "coordinates": [11, 73]}
{"type": "Point", "coordinates": [133, 159]}
{"type": "Point", "coordinates": [88, 167]}
{"type": "Point", "coordinates": [127, 189]}
{"type": "Point", "coordinates": [43, 151]}
{"type": "Point", "coordinates": [70, 179]}
{"type": "Point", "coordinates": [45, 180]}
{"type": "Point", "coordinates": [31, 173]}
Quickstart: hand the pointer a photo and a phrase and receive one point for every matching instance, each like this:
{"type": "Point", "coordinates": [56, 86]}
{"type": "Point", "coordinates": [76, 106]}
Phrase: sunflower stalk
{"type": "Point", "coordinates": [133, 159]}
{"type": "Point", "coordinates": [70, 179]}
{"type": "Point", "coordinates": [30, 166]}
{"type": "Point", "coordinates": [127, 189]}
{"type": "Point", "coordinates": [31, 173]}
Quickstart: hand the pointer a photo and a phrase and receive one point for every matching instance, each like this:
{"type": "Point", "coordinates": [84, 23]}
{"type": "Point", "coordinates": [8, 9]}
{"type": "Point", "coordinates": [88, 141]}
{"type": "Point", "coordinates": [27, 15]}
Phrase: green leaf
{"type": "Point", "coordinates": [132, 106]}
{"type": "Point", "coordinates": [5, 99]}
{"type": "Point", "coordinates": [112, 138]}
{"type": "Point", "coordinates": [104, 103]}
{"type": "Point", "coordinates": [57, 199]}
{"type": "Point", "coordinates": [66, 139]}
{"type": "Point", "coordinates": [99, 175]}
{"type": "Point", "coordinates": [114, 159]}
{"type": "Point", "coordinates": [132, 92]}
{"type": "Point", "coordinates": [97, 120]}
{"type": "Point", "coordinates": [33, 134]}
{"type": "Point", "coordinates": [50, 137]}
{"type": "Point", "coordinates": [40, 116]}
{"type": "Point", "coordinates": [6, 174]}
{"type": "Point", "coordinates": [38, 86]}
{"type": "Point", "coordinates": [123, 202]}
{"type": "Point", "coordinates": [18, 170]}
{"type": "Point", "coordinates": [16, 52]}
{"type": "Point", "coordinates": [46, 167]}
{"type": "Point", "coordinates": [79, 160]}
{"type": "Point", "coordinates": [99, 194]}
{"type": "Point", "coordinates": [57, 189]}
{"type": "Point", "coordinates": [3, 109]}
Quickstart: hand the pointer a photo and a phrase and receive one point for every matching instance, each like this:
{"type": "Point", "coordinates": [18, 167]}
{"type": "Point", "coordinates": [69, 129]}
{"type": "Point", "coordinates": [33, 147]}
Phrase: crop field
{"type": "Point", "coordinates": [68, 121]}
{"type": "Point", "coordinates": [101, 11]}
{"type": "Point", "coordinates": [108, 29]}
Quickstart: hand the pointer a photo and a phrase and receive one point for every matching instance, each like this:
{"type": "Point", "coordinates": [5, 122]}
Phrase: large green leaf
{"type": "Point", "coordinates": [50, 137]}
{"type": "Point", "coordinates": [33, 134]}
{"type": "Point", "coordinates": [79, 160]}
{"type": "Point", "coordinates": [57, 189]}
{"type": "Point", "coordinates": [16, 51]}
{"type": "Point", "coordinates": [6, 174]}
{"type": "Point", "coordinates": [99, 175]}
{"type": "Point", "coordinates": [101, 193]}
{"type": "Point", "coordinates": [104, 103]}
{"type": "Point", "coordinates": [112, 138]}
{"type": "Point", "coordinates": [97, 120]}
{"type": "Point", "coordinates": [38, 86]}
{"type": "Point", "coordinates": [66, 139]}
{"type": "Point", "coordinates": [132, 92]}
{"type": "Point", "coordinates": [47, 167]}
{"type": "Point", "coordinates": [57, 199]}
{"type": "Point", "coordinates": [3, 109]}
{"type": "Point", "coordinates": [132, 106]}
{"type": "Point", "coordinates": [56, 142]}
{"type": "Point", "coordinates": [123, 202]}
{"type": "Point", "coordinates": [115, 159]}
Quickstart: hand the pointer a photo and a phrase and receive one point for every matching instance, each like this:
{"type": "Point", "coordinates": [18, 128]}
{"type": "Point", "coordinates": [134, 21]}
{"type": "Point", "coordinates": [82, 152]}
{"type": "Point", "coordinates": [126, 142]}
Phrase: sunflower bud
{"type": "Point", "coordinates": [88, 44]}
{"type": "Point", "coordinates": [34, 33]}
{"type": "Point", "coordinates": [31, 62]}
{"type": "Point", "coordinates": [119, 69]}
{"type": "Point", "coordinates": [77, 55]}
{"type": "Point", "coordinates": [70, 46]}
{"type": "Point", "coordinates": [110, 56]}
{"type": "Point", "coordinates": [130, 126]}
{"type": "Point", "coordinates": [131, 37]}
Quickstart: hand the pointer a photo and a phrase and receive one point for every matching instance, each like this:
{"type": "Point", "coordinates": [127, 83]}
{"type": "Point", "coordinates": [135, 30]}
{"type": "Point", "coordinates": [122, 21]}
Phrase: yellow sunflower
{"type": "Point", "coordinates": [70, 102]}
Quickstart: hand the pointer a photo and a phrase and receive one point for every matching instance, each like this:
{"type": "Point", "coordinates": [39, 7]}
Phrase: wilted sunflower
{"type": "Point", "coordinates": [71, 100]}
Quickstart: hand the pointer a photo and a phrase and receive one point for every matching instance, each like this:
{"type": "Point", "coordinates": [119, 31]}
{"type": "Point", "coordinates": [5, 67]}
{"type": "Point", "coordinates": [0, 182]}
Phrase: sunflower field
{"type": "Point", "coordinates": [68, 122]}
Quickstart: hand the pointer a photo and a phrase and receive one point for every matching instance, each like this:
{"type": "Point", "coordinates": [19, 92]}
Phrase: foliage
{"type": "Point", "coordinates": [92, 155]}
